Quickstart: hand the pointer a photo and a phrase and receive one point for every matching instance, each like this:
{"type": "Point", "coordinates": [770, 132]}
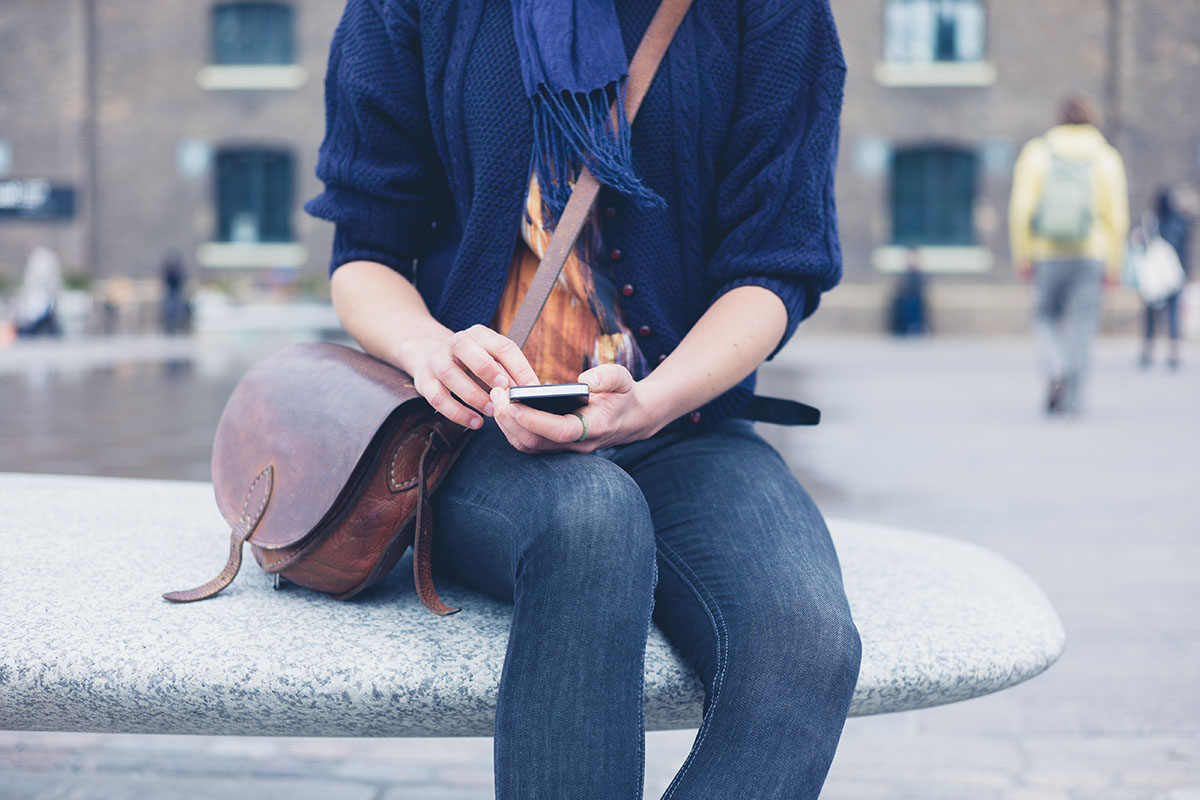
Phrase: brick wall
{"type": "Point", "coordinates": [148, 103]}
{"type": "Point", "coordinates": [150, 54]}
{"type": "Point", "coordinates": [42, 112]}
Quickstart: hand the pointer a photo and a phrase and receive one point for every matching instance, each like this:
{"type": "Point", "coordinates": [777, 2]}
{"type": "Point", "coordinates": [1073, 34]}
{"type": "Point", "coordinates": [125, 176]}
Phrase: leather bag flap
{"type": "Point", "coordinates": [309, 413]}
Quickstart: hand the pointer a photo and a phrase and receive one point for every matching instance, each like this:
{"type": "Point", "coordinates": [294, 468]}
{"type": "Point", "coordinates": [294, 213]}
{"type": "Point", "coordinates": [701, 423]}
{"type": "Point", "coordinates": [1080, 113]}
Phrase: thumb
{"type": "Point", "coordinates": [610, 378]}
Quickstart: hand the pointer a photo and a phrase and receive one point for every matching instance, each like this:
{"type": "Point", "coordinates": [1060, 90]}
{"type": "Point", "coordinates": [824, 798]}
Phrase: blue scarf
{"type": "Point", "coordinates": [574, 66]}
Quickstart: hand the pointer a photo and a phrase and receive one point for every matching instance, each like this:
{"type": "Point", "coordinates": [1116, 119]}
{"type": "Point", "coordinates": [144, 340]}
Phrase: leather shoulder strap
{"type": "Point", "coordinates": [642, 69]}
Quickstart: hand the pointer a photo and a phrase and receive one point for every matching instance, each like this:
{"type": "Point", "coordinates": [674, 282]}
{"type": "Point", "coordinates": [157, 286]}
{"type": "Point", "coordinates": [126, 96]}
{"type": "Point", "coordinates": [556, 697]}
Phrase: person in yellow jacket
{"type": "Point", "coordinates": [1068, 223]}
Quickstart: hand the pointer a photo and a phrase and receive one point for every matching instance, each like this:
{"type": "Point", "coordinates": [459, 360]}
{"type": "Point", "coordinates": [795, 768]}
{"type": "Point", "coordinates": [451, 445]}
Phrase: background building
{"type": "Point", "coordinates": [130, 129]}
{"type": "Point", "coordinates": [941, 95]}
{"type": "Point", "coordinates": [176, 125]}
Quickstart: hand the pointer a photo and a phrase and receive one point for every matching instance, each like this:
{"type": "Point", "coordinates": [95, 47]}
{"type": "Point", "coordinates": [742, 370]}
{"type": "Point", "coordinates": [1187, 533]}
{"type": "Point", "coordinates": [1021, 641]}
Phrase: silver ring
{"type": "Point", "coordinates": [583, 435]}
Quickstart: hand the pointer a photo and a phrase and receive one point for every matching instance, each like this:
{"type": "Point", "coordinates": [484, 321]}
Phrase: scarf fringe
{"type": "Point", "coordinates": [574, 128]}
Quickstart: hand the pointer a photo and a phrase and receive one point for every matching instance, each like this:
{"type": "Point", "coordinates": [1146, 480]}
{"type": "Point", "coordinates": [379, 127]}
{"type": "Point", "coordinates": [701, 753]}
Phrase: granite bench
{"type": "Point", "coordinates": [87, 644]}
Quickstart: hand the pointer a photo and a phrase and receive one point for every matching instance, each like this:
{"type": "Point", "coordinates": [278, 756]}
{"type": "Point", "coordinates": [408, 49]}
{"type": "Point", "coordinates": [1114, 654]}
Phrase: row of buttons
{"type": "Point", "coordinates": [613, 254]}
{"type": "Point", "coordinates": [627, 290]}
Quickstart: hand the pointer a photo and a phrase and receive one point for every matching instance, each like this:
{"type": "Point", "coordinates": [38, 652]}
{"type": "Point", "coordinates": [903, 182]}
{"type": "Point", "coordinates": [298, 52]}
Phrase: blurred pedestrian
{"type": "Point", "coordinates": [176, 310]}
{"type": "Point", "coordinates": [117, 302]}
{"type": "Point", "coordinates": [37, 299]}
{"type": "Point", "coordinates": [1068, 219]}
{"type": "Point", "coordinates": [1173, 226]}
{"type": "Point", "coordinates": [908, 310]}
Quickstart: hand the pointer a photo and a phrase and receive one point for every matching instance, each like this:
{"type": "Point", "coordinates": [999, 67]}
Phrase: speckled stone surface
{"type": "Point", "coordinates": [87, 644]}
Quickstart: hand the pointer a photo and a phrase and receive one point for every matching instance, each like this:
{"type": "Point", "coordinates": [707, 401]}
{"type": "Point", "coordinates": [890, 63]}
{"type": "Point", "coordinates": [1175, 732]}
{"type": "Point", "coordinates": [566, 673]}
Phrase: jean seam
{"type": "Point", "coordinates": [639, 786]}
{"type": "Point", "coordinates": [717, 619]}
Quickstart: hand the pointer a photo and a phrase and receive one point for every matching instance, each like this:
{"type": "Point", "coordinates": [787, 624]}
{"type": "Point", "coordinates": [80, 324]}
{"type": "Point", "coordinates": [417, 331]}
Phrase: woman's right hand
{"type": "Point", "coordinates": [455, 372]}
{"type": "Point", "coordinates": [385, 314]}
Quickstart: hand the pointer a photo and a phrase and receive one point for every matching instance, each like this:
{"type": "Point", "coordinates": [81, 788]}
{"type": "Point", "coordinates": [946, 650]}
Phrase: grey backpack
{"type": "Point", "coordinates": [1064, 213]}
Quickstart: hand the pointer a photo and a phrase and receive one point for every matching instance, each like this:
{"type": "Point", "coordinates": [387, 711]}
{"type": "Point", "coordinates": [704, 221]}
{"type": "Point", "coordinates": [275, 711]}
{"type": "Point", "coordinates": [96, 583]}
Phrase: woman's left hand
{"type": "Point", "coordinates": [616, 413]}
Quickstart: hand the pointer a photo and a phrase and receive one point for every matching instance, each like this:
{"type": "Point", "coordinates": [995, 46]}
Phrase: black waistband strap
{"type": "Point", "coordinates": [780, 411]}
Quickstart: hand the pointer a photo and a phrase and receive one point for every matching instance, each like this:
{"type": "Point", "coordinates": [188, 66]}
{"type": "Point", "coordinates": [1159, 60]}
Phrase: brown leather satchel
{"type": "Point", "coordinates": [325, 457]}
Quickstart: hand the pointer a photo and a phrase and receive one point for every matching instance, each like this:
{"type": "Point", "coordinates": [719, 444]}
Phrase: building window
{"type": "Point", "coordinates": [923, 31]}
{"type": "Point", "coordinates": [252, 33]}
{"type": "Point", "coordinates": [254, 196]}
{"type": "Point", "coordinates": [933, 196]}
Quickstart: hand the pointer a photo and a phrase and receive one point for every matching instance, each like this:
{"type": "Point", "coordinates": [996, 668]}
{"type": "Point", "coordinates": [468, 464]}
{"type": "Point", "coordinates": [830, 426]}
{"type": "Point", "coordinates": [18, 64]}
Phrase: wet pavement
{"type": "Point", "coordinates": [943, 435]}
{"type": "Point", "coordinates": [138, 421]}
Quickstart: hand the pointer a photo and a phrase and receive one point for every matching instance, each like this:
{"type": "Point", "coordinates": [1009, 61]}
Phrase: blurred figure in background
{"type": "Point", "coordinates": [909, 314]}
{"type": "Point", "coordinates": [37, 298]}
{"type": "Point", "coordinates": [176, 310]}
{"type": "Point", "coordinates": [1068, 219]}
{"type": "Point", "coordinates": [1175, 229]}
{"type": "Point", "coordinates": [116, 298]}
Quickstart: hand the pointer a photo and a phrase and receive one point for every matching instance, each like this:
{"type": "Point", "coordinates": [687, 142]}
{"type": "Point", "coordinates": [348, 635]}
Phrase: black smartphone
{"type": "Point", "coordinates": [556, 398]}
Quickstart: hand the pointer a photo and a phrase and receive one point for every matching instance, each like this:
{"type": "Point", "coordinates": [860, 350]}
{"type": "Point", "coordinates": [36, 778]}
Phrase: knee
{"type": "Point", "coordinates": [843, 654]}
{"type": "Point", "coordinates": [828, 632]}
{"type": "Point", "coordinates": [597, 533]}
{"type": "Point", "coordinates": [806, 644]}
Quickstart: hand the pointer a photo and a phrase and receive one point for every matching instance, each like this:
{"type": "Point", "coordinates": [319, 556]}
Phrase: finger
{"type": "Point", "coordinates": [611, 378]}
{"type": "Point", "coordinates": [500, 401]}
{"type": "Point", "coordinates": [507, 419]}
{"type": "Point", "coordinates": [505, 350]}
{"type": "Point", "coordinates": [513, 419]}
{"type": "Point", "coordinates": [557, 428]}
{"type": "Point", "coordinates": [444, 403]}
{"type": "Point", "coordinates": [450, 373]}
{"type": "Point", "coordinates": [478, 360]}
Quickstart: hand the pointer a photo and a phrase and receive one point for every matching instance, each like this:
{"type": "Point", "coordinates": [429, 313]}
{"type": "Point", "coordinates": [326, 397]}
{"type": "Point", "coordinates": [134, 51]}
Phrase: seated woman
{"type": "Point", "coordinates": [713, 237]}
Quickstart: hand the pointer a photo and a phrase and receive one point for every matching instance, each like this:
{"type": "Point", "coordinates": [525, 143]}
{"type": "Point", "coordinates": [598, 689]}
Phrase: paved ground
{"type": "Point", "coordinates": [944, 436]}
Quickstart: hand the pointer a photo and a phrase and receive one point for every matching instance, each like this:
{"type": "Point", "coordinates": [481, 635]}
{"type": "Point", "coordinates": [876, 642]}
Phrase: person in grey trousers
{"type": "Point", "coordinates": [1068, 220]}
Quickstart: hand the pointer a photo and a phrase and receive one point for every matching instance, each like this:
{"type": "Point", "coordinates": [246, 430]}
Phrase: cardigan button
{"type": "Point", "coordinates": [662, 357]}
{"type": "Point", "coordinates": [627, 290]}
{"type": "Point", "coordinates": [615, 254]}
{"type": "Point", "coordinates": [644, 331]}
{"type": "Point", "coordinates": [610, 212]}
{"type": "Point", "coordinates": [694, 417]}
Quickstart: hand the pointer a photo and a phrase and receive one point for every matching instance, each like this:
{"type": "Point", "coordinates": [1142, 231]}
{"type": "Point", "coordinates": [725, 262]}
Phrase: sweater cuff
{"type": "Point", "coordinates": [371, 228]}
{"type": "Point", "coordinates": [347, 247]}
{"type": "Point", "coordinates": [797, 298]}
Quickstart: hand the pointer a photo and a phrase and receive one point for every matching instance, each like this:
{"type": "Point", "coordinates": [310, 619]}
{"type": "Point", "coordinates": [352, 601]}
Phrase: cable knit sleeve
{"type": "Point", "coordinates": [775, 215]}
{"type": "Point", "coordinates": [378, 159]}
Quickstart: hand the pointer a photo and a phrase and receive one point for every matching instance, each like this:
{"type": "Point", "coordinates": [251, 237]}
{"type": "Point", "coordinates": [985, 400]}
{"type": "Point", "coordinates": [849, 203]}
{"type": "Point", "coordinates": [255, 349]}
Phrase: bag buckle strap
{"type": "Point", "coordinates": [423, 533]}
{"type": "Point", "coordinates": [253, 508]}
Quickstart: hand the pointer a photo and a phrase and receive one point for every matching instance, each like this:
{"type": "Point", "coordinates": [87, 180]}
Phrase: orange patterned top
{"type": "Point", "coordinates": [581, 325]}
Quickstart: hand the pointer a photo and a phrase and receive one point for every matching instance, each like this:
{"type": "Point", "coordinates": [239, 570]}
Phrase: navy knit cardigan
{"type": "Point", "coordinates": [426, 160]}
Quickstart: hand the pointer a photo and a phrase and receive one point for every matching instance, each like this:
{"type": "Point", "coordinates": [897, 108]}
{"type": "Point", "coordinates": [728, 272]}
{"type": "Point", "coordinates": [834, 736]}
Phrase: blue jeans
{"type": "Point", "coordinates": [1171, 305]}
{"type": "Point", "coordinates": [712, 533]}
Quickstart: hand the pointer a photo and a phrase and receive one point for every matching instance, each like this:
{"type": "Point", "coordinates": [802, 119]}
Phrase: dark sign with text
{"type": "Point", "coordinates": [36, 198]}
